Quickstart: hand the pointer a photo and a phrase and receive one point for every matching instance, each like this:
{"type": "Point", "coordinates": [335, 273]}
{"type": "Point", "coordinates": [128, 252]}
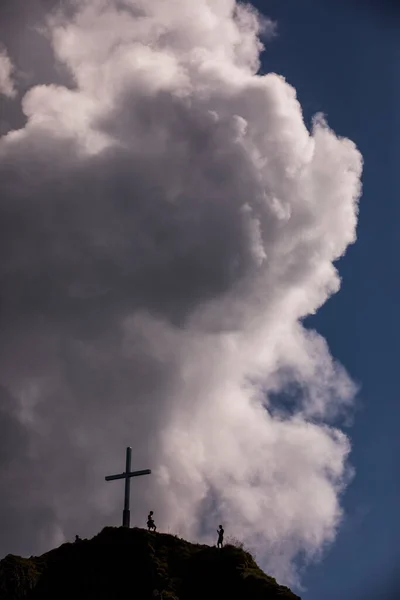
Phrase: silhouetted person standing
{"type": "Point", "coordinates": [151, 526]}
{"type": "Point", "coordinates": [220, 532]}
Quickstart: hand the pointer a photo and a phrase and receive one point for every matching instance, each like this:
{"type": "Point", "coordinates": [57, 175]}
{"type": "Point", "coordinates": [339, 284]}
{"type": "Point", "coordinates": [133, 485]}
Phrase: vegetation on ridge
{"type": "Point", "coordinates": [133, 563]}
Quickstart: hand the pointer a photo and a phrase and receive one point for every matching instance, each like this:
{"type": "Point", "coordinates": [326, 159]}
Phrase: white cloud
{"type": "Point", "coordinates": [6, 70]}
{"type": "Point", "coordinates": [172, 221]}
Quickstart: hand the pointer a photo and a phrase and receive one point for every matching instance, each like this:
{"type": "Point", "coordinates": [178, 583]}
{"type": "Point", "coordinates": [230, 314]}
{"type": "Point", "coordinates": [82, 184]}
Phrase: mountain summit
{"type": "Point", "coordinates": [121, 563]}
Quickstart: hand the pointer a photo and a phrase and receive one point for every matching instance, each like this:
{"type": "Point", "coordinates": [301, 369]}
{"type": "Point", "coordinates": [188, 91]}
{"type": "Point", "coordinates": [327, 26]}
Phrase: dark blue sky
{"type": "Point", "coordinates": [342, 58]}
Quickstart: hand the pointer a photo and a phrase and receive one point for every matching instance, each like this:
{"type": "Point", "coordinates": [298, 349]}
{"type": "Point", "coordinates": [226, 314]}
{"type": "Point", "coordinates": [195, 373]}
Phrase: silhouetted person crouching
{"type": "Point", "coordinates": [220, 532]}
{"type": "Point", "coordinates": [151, 526]}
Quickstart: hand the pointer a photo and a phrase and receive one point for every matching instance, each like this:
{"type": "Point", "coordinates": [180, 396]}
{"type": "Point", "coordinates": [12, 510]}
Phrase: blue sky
{"type": "Point", "coordinates": [342, 59]}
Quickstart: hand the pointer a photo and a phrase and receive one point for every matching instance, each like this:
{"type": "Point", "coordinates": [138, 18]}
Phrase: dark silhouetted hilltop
{"type": "Point", "coordinates": [121, 563]}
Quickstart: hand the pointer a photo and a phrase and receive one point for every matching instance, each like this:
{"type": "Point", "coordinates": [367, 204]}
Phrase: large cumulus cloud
{"type": "Point", "coordinates": [167, 220]}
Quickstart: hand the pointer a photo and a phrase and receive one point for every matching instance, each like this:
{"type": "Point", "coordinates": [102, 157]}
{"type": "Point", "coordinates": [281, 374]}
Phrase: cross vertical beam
{"type": "Point", "coordinates": [127, 476]}
{"type": "Point", "coordinates": [126, 515]}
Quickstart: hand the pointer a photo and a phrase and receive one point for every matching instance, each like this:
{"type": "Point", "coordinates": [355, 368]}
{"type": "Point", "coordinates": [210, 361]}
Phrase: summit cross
{"type": "Point", "coordinates": [126, 515]}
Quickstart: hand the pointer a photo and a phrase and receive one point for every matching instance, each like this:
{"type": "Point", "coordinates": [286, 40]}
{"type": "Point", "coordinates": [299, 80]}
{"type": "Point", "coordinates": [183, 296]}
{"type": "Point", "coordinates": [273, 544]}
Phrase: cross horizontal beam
{"type": "Point", "coordinates": [126, 475]}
